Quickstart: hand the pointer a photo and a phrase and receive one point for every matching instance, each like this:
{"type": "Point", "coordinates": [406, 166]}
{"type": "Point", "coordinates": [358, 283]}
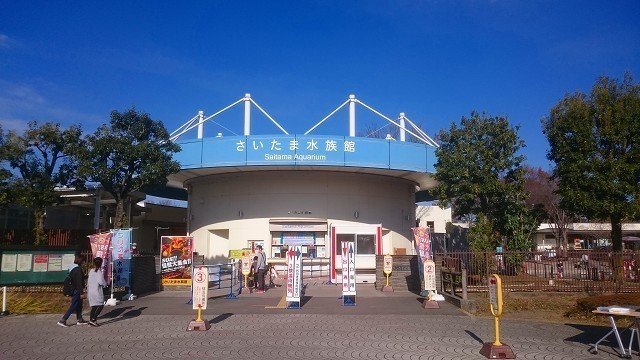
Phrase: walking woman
{"type": "Point", "coordinates": [94, 289]}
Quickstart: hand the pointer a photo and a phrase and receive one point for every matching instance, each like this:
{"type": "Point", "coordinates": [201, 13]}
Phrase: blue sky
{"type": "Point", "coordinates": [434, 60]}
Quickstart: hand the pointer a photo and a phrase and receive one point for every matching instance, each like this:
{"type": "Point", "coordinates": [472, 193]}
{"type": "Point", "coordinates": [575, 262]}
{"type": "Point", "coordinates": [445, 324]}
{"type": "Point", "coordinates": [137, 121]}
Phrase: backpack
{"type": "Point", "coordinates": [67, 285]}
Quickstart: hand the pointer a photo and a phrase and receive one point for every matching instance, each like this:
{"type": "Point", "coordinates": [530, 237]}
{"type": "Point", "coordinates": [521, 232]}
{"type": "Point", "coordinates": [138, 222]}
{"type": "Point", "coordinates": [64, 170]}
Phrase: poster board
{"type": "Point", "coordinates": [34, 266]}
{"type": "Point", "coordinates": [176, 260]}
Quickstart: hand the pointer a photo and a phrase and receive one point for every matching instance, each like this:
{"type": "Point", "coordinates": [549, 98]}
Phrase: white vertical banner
{"type": "Point", "coordinates": [294, 273]}
{"type": "Point", "coordinates": [348, 268]}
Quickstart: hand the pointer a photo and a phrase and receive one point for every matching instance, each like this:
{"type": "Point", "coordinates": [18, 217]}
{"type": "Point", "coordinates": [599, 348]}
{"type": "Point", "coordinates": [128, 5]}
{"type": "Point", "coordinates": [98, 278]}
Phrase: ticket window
{"type": "Point", "coordinates": [365, 243]}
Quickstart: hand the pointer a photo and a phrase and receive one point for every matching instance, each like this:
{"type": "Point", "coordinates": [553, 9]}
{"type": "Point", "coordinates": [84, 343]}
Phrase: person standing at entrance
{"type": "Point", "coordinates": [260, 265]}
{"type": "Point", "coordinates": [77, 280]}
{"type": "Point", "coordinates": [95, 284]}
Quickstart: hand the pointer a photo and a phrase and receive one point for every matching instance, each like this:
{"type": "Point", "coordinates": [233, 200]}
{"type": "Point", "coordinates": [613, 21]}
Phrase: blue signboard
{"type": "Point", "coordinates": [321, 150]}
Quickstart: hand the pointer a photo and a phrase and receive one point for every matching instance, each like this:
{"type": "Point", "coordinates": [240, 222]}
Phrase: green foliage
{"type": "Point", "coordinates": [480, 171]}
{"type": "Point", "coordinates": [40, 156]}
{"type": "Point", "coordinates": [595, 143]}
{"type": "Point", "coordinates": [481, 235]}
{"type": "Point", "coordinates": [132, 152]}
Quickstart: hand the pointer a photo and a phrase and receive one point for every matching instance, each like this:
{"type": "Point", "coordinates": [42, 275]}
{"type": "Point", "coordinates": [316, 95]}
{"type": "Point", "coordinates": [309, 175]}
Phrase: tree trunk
{"type": "Point", "coordinates": [616, 233]}
{"type": "Point", "coordinates": [565, 241]}
{"type": "Point", "coordinates": [40, 238]}
{"type": "Point", "coordinates": [616, 239]}
{"type": "Point", "coordinates": [119, 216]}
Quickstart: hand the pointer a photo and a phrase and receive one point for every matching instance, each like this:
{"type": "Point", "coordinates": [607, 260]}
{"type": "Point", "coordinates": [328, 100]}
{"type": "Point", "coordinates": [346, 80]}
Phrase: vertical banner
{"type": "Point", "coordinates": [100, 244]}
{"type": "Point", "coordinates": [176, 258]}
{"type": "Point", "coordinates": [121, 240]}
{"type": "Point", "coordinates": [348, 268]}
{"type": "Point", "coordinates": [422, 237]}
{"type": "Point", "coordinates": [121, 272]}
{"type": "Point", "coordinates": [294, 273]}
{"type": "Point", "coordinates": [429, 275]}
{"type": "Point", "coordinates": [121, 254]}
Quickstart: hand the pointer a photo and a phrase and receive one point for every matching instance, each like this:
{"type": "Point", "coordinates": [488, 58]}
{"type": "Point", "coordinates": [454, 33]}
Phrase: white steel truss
{"type": "Point", "coordinates": [199, 120]}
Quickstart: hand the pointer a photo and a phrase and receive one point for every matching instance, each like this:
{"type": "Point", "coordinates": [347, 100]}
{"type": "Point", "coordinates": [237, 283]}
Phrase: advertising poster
{"type": "Point", "coordinates": [8, 262]}
{"type": "Point", "coordinates": [176, 260]}
{"type": "Point", "coordinates": [121, 240]}
{"type": "Point", "coordinates": [121, 271]}
{"type": "Point", "coordinates": [100, 244]}
{"type": "Point", "coordinates": [24, 262]}
{"type": "Point", "coordinates": [55, 262]}
{"type": "Point", "coordinates": [40, 263]}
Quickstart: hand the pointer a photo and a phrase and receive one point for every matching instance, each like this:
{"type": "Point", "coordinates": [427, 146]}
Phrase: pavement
{"type": "Point", "coordinates": [255, 326]}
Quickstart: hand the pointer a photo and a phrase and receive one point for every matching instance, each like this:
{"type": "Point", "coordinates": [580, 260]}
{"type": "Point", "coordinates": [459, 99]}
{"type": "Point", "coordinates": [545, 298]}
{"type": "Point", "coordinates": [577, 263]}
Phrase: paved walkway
{"type": "Point", "coordinates": [381, 326]}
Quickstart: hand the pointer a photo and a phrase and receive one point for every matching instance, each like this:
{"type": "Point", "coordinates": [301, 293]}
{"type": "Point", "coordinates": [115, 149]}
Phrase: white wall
{"type": "Point", "coordinates": [440, 217]}
{"type": "Point", "coordinates": [244, 203]}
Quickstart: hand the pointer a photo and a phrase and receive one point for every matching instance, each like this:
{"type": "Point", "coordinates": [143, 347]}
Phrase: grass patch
{"type": "Point", "coordinates": [554, 307]}
{"type": "Point", "coordinates": [36, 303]}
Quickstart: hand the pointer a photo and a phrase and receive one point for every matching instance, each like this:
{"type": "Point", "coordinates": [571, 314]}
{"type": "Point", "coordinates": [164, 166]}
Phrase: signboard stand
{"type": "Point", "coordinates": [387, 269]}
{"type": "Point", "coordinates": [294, 277]}
{"type": "Point", "coordinates": [246, 270]}
{"type": "Point", "coordinates": [199, 298]}
{"type": "Point", "coordinates": [496, 349]}
{"type": "Point", "coordinates": [429, 267]}
{"type": "Point", "coordinates": [348, 274]}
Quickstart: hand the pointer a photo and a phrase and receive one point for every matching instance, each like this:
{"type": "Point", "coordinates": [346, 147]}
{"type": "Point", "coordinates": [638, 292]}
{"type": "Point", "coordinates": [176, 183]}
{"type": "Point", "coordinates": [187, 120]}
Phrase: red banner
{"type": "Point", "coordinates": [422, 237]}
{"type": "Point", "coordinates": [176, 260]}
{"type": "Point", "coordinates": [100, 244]}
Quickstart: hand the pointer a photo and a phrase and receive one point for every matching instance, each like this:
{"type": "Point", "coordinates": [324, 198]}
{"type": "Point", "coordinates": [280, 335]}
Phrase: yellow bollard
{"type": "Point", "coordinates": [496, 350]}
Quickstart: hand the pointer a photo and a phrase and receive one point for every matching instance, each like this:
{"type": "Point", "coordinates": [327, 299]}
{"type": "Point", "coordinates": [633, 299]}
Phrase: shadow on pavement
{"type": "Point", "coordinates": [591, 333]}
{"type": "Point", "coordinates": [124, 313]}
{"type": "Point", "coordinates": [304, 299]}
{"type": "Point", "coordinates": [475, 337]}
{"type": "Point", "coordinates": [220, 318]}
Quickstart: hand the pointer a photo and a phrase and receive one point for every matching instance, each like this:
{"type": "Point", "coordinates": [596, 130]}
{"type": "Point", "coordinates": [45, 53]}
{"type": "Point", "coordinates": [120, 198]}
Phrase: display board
{"type": "Point", "coordinates": [34, 266]}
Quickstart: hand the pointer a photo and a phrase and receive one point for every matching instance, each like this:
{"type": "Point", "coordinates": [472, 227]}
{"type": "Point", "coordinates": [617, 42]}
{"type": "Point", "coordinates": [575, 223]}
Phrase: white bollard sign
{"type": "Point", "coordinates": [294, 273]}
{"type": "Point", "coordinates": [348, 268]}
{"type": "Point", "coordinates": [429, 275]}
{"type": "Point", "coordinates": [200, 287]}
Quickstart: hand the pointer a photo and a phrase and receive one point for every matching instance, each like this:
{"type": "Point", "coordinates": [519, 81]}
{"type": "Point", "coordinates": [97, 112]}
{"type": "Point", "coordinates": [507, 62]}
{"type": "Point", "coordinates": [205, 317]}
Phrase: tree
{"type": "Point", "coordinates": [542, 189]}
{"type": "Point", "coordinates": [480, 172]}
{"type": "Point", "coordinates": [595, 144]}
{"type": "Point", "coordinates": [132, 152]}
{"type": "Point", "coordinates": [42, 159]}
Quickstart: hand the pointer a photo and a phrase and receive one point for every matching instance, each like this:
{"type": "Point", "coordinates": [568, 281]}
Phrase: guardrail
{"type": "Point", "coordinates": [226, 276]}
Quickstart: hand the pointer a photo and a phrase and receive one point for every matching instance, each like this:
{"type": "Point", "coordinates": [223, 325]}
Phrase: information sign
{"type": "Point", "coordinates": [200, 287]}
{"type": "Point", "coordinates": [40, 263]}
{"type": "Point", "coordinates": [246, 265]}
{"type": "Point", "coordinates": [495, 295]}
{"type": "Point", "coordinates": [55, 262]}
{"type": "Point", "coordinates": [348, 268]}
{"type": "Point", "coordinates": [429, 275]}
{"type": "Point", "coordinates": [24, 262]}
{"type": "Point", "coordinates": [9, 262]}
{"type": "Point", "coordinates": [388, 264]}
{"type": "Point", "coordinates": [294, 274]}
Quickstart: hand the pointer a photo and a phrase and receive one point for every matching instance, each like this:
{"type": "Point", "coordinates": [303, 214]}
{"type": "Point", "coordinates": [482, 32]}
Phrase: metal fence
{"type": "Point", "coordinates": [580, 270]}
